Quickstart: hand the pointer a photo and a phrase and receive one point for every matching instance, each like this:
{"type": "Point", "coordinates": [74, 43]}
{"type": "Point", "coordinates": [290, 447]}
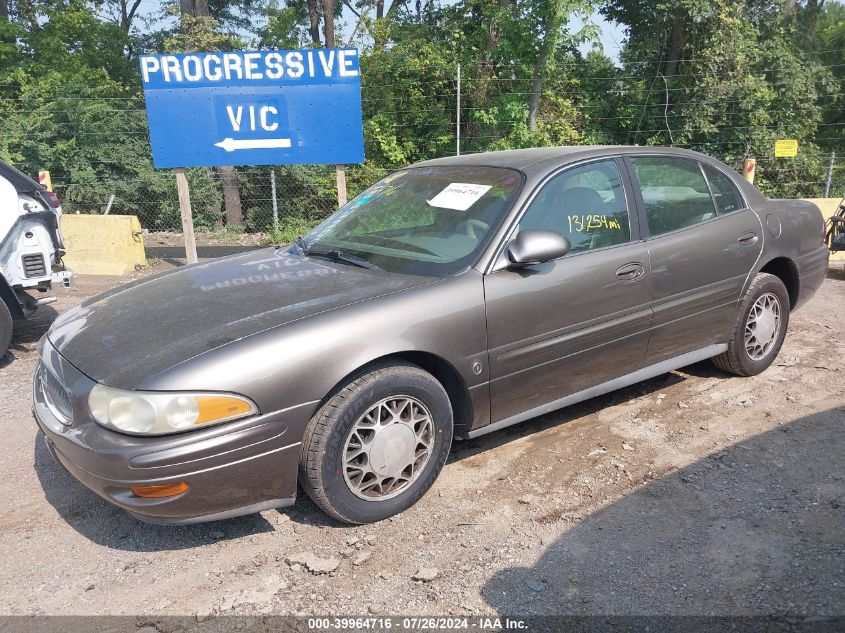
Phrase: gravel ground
{"type": "Point", "coordinates": [692, 493]}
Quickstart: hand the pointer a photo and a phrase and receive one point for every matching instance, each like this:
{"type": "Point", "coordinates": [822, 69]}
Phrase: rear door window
{"type": "Point", "coordinates": [675, 193]}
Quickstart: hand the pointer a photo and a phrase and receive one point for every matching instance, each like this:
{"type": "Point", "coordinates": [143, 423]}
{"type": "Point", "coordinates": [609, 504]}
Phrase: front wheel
{"type": "Point", "coordinates": [762, 320]}
{"type": "Point", "coordinates": [377, 445]}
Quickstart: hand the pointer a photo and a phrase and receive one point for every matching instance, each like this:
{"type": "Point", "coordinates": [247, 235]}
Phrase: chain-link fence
{"type": "Point", "coordinates": [415, 119]}
{"type": "Point", "coordinates": [788, 177]}
{"type": "Point", "coordinates": [286, 201]}
{"type": "Point", "coordinates": [280, 201]}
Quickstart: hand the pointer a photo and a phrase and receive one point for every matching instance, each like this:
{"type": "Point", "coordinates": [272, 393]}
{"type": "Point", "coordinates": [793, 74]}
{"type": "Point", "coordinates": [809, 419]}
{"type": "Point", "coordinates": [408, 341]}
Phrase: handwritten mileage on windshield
{"type": "Point", "coordinates": [593, 222]}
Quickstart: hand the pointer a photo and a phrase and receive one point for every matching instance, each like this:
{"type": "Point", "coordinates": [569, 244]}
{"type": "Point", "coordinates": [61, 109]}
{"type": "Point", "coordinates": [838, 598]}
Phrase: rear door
{"type": "Point", "coordinates": [565, 325]}
{"type": "Point", "coordinates": [702, 242]}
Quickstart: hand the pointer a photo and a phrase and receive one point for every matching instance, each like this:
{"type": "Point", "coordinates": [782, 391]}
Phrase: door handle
{"type": "Point", "coordinates": [747, 239]}
{"type": "Point", "coordinates": [628, 272]}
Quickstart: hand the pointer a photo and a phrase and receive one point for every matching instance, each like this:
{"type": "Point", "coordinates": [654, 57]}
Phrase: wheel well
{"type": "Point", "coordinates": [785, 270]}
{"type": "Point", "coordinates": [452, 382]}
{"type": "Point", "coordinates": [441, 369]}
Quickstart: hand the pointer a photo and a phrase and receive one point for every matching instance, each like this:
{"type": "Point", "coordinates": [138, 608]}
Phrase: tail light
{"type": "Point", "coordinates": [51, 199]}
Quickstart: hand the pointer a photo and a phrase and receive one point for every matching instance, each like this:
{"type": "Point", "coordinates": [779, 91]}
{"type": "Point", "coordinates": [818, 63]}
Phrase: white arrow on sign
{"type": "Point", "coordinates": [230, 144]}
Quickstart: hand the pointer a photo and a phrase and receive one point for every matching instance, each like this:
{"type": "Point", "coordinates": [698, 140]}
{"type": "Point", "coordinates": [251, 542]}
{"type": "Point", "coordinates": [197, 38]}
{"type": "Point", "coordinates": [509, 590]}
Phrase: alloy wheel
{"type": "Point", "coordinates": [388, 447]}
{"type": "Point", "coordinates": [762, 326]}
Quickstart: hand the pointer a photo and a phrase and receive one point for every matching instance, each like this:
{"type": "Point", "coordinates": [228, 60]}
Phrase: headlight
{"type": "Point", "coordinates": [160, 413]}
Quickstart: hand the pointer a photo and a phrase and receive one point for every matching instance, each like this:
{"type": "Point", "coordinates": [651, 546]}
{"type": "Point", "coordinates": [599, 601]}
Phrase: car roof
{"type": "Point", "coordinates": [543, 158]}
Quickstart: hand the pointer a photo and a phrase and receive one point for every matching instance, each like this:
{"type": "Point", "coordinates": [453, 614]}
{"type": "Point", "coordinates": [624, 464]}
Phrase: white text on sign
{"type": "Point", "coordinates": [236, 114]}
{"type": "Point", "coordinates": [258, 66]}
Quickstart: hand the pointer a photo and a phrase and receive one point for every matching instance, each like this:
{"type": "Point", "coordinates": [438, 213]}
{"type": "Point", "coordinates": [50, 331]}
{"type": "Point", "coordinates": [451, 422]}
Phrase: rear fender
{"type": "Point", "coordinates": [794, 247]}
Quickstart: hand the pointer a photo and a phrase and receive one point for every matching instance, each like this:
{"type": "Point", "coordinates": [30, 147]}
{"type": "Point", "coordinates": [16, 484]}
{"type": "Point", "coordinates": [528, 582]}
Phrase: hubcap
{"type": "Point", "coordinates": [762, 326]}
{"type": "Point", "coordinates": [387, 448]}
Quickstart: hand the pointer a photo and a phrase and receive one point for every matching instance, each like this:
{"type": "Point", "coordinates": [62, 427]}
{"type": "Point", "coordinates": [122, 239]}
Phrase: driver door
{"type": "Point", "coordinates": [566, 325]}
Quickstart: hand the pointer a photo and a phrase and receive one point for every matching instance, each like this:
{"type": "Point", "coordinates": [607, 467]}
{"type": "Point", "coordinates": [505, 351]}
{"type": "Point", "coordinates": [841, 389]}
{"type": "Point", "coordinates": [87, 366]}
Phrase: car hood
{"type": "Point", "coordinates": [132, 332]}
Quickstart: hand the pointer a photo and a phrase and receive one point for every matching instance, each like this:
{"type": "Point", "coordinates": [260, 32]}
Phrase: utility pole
{"type": "Point", "coordinates": [458, 116]}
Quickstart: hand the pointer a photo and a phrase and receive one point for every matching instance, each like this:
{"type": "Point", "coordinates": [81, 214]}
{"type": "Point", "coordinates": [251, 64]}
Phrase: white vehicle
{"type": "Point", "coordinates": [31, 248]}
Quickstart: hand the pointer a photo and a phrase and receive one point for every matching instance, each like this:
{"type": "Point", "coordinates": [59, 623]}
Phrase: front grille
{"type": "Point", "coordinates": [56, 396]}
{"type": "Point", "coordinates": [33, 265]}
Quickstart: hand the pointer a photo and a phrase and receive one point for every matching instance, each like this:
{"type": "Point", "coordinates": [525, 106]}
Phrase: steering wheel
{"type": "Point", "coordinates": [475, 228]}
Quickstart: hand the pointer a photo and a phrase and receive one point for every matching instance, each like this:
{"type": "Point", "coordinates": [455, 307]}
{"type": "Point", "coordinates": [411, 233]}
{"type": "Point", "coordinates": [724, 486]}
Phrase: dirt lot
{"type": "Point", "coordinates": [693, 493]}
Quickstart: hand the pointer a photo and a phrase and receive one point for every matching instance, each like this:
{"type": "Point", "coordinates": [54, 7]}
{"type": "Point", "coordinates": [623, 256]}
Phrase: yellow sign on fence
{"type": "Point", "coordinates": [786, 148]}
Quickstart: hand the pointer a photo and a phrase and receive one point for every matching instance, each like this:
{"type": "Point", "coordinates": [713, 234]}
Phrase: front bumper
{"type": "Point", "coordinates": [232, 469]}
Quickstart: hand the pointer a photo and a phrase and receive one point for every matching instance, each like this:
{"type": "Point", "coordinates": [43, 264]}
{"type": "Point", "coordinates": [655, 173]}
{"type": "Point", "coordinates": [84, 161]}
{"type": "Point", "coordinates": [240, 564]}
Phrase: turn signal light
{"type": "Point", "coordinates": [212, 408]}
{"type": "Point", "coordinates": [159, 491]}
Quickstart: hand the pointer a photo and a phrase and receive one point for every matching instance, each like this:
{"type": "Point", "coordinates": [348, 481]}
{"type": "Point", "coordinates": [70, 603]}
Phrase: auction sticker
{"type": "Point", "coordinates": [459, 196]}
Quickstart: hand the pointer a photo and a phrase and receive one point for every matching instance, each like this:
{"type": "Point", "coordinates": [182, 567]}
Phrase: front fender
{"type": "Point", "coordinates": [301, 362]}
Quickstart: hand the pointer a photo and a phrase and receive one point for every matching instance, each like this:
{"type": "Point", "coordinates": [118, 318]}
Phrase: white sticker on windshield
{"type": "Point", "coordinates": [459, 196]}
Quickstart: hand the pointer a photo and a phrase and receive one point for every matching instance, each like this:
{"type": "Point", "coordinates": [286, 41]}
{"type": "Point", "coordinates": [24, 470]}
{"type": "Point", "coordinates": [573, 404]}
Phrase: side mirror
{"type": "Point", "coordinates": [536, 247]}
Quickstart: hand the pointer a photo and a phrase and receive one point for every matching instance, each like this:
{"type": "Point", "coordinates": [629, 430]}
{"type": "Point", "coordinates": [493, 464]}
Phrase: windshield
{"type": "Point", "coordinates": [431, 221]}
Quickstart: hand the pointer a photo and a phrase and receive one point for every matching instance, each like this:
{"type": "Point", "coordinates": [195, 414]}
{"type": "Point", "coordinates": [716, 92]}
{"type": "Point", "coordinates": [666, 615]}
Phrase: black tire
{"type": "Point", "coordinates": [321, 460]}
{"type": "Point", "coordinates": [736, 360]}
{"type": "Point", "coordinates": [5, 328]}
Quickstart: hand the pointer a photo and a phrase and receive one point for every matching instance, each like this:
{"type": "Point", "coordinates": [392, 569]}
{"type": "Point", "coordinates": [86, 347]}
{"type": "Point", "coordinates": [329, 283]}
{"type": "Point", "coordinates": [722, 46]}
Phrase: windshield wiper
{"type": "Point", "coordinates": [339, 255]}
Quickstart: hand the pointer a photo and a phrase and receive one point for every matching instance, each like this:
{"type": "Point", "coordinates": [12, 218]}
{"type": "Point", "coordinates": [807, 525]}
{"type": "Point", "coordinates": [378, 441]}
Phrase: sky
{"type": "Point", "coordinates": [611, 36]}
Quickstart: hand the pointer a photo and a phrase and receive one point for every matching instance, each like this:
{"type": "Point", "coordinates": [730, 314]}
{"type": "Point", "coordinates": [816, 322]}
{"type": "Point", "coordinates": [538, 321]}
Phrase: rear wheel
{"type": "Point", "coordinates": [760, 328]}
{"type": "Point", "coordinates": [5, 328]}
{"type": "Point", "coordinates": [376, 446]}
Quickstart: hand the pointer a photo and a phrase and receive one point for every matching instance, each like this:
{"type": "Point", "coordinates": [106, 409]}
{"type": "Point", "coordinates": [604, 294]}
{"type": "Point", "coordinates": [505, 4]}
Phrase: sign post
{"type": "Point", "coordinates": [187, 215]}
{"type": "Point", "coordinates": [340, 176]}
{"type": "Point", "coordinates": [254, 108]}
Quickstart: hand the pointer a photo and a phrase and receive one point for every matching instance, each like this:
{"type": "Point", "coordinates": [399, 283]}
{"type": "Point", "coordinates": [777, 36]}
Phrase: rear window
{"type": "Point", "coordinates": [724, 191]}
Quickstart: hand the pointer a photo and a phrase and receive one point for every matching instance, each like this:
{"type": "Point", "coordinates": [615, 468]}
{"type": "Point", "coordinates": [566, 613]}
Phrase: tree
{"type": "Point", "coordinates": [314, 21]}
{"type": "Point", "coordinates": [726, 78]}
{"type": "Point", "coordinates": [552, 16]}
{"type": "Point", "coordinates": [328, 22]}
{"type": "Point", "coordinates": [721, 76]}
{"type": "Point", "coordinates": [196, 16]}
{"type": "Point", "coordinates": [26, 9]}
{"type": "Point", "coordinates": [195, 8]}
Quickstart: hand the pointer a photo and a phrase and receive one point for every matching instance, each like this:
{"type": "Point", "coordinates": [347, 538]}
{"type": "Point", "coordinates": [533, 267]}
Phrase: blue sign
{"type": "Point", "coordinates": [254, 107]}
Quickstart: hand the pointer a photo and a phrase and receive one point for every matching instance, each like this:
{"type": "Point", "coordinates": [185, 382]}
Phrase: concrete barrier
{"type": "Point", "coordinates": [828, 207]}
{"type": "Point", "coordinates": [103, 244]}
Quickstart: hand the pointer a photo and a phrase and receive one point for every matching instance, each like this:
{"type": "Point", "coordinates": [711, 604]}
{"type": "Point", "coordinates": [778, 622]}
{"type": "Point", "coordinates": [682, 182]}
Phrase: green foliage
{"type": "Point", "coordinates": [289, 229]}
{"type": "Point", "coordinates": [284, 29]}
{"type": "Point", "coordinates": [728, 80]}
{"type": "Point", "coordinates": [724, 77]}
